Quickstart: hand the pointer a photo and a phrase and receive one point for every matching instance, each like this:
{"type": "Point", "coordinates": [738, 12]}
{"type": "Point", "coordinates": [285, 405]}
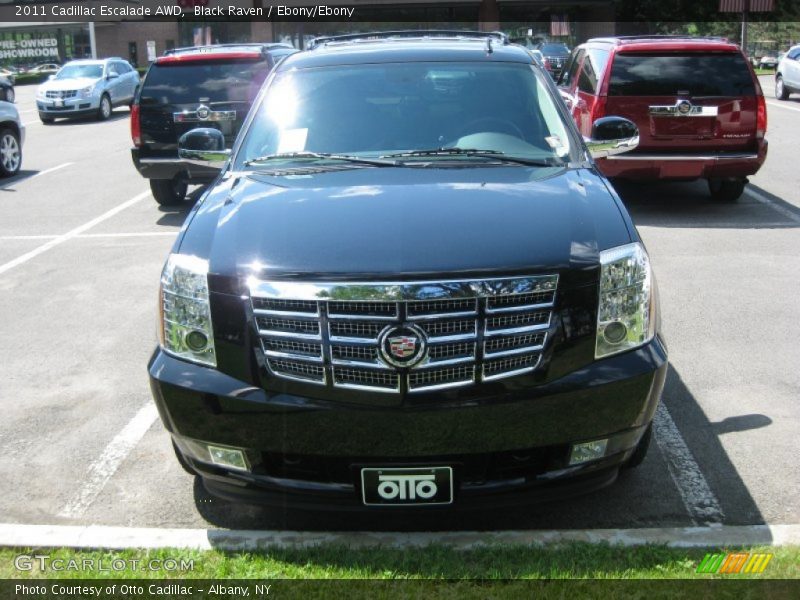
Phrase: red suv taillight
{"type": "Point", "coordinates": [136, 130]}
{"type": "Point", "coordinates": [761, 118]}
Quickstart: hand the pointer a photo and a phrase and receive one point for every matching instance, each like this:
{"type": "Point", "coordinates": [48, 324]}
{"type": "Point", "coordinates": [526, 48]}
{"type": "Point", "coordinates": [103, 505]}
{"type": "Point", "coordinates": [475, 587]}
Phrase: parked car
{"type": "Point", "coordinates": [12, 136]}
{"type": "Point", "coordinates": [7, 89]}
{"type": "Point", "coordinates": [697, 102]}
{"type": "Point", "coordinates": [556, 55]}
{"type": "Point", "coordinates": [768, 61]}
{"type": "Point", "coordinates": [87, 87]}
{"type": "Point", "coordinates": [45, 69]}
{"type": "Point", "coordinates": [211, 85]}
{"type": "Point", "coordinates": [409, 285]}
{"type": "Point", "coordinates": [9, 73]}
{"type": "Point", "coordinates": [787, 74]}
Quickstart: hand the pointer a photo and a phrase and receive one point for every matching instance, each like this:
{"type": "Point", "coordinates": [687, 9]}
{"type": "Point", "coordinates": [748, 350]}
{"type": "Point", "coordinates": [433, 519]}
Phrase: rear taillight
{"type": "Point", "coordinates": [598, 108]}
{"type": "Point", "coordinates": [136, 130]}
{"type": "Point", "coordinates": [761, 118]}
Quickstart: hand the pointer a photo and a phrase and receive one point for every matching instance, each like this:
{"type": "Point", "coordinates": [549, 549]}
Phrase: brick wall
{"type": "Point", "coordinates": [113, 38]}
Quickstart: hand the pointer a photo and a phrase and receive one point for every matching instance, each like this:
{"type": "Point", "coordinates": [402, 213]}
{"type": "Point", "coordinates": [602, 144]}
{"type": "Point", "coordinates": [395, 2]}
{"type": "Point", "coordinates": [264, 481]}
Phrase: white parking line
{"type": "Point", "coordinates": [101, 470]}
{"type": "Point", "coordinates": [759, 197]}
{"type": "Point", "coordinates": [71, 234]}
{"type": "Point", "coordinates": [100, 536]}
{"type": "Point", "coordinates": [779, 105]}
{"type": "Point", "coordinates": [701, 503]}
{"type": "Point", "coordinates": [92, 235]}
{"type": "Point", "coordinates": [35, 175]}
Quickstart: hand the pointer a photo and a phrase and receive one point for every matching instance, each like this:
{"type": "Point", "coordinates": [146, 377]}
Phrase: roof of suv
{"type": "Point", "coordinates": [218, 52]}
{"type": "Point", "coordinates": [409, 47]}
{"type": "Point", "coordinates": [669, 43]}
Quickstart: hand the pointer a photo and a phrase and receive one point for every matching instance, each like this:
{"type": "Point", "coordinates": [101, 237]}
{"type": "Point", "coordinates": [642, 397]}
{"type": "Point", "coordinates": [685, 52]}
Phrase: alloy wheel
{"type": "Point", "coordinates": [9, 153]}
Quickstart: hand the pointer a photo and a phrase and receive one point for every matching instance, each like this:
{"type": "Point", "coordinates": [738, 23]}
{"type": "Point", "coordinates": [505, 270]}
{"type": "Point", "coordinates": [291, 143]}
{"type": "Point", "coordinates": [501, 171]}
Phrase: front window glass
{"type": "Point", "coordinates": [76, 71]}
{"type": "Point", "coordinates": [376, 110]}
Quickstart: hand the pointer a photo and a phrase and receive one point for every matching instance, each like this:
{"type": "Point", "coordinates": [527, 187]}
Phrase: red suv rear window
{"type": "Point", "coordinates": [694, 74]}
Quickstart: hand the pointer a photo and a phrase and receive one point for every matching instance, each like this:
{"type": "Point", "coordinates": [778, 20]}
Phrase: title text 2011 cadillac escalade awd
{"type": "Point", "coordinates": [408, 286]}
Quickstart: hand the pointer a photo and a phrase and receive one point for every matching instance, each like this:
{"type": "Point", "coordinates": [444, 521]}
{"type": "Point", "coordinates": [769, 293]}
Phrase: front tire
{"type": "Point", "coordinates": [726, 190]}
{"type": "Point", "coordinates": [781, 93]}
{"type": "Point", "coordinates": [10, 153]}
{"type": "Point", "coordinates": [8, 95]}
{"type": "Point", "coordinates": [169, 192]}
{"type": "Point", "coordinates": [46, 120]}
{"type": "Point", "coordinates": [105, 108]}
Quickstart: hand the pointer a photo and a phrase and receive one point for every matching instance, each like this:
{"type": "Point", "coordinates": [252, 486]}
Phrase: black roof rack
{"type": "Point", "coordinates": [411, 33]}
{"type": "Point", "coordinates": [212, 47]}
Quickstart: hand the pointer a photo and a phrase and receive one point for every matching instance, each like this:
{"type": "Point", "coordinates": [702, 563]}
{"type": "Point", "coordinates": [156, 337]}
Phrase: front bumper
{"type": "Point", "coordinates": [307, 453]}
{"type": "Point", "coordinates": [67, 107]}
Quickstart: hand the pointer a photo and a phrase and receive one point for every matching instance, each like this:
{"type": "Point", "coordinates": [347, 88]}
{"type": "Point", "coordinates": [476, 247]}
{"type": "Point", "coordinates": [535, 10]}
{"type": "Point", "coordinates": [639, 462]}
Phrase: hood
{"type": "Point", "coordinates": [406, 223]}
{"type": "Point", "coordinates": [77, 83]}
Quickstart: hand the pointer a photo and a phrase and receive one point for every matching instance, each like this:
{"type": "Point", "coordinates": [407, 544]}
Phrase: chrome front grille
{"type": "Point", "coordinates": [474, 330]}
{"type": "Point", "coordinates": [61, 94]}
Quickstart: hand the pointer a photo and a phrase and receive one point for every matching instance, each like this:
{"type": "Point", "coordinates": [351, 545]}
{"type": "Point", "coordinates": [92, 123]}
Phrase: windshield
{"type": "Point", "coordinates": [76, 71]}
{"type": "Point", "coordinates": [379, 110]}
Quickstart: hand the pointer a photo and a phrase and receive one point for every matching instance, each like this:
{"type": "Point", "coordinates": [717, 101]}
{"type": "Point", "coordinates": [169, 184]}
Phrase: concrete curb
{"type": "Point", "coordinates": [99, 536]}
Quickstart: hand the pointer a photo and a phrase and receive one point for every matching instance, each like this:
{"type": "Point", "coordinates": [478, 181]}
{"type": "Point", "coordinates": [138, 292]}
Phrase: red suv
{"type": "Point", "coordinates": [696, 101]}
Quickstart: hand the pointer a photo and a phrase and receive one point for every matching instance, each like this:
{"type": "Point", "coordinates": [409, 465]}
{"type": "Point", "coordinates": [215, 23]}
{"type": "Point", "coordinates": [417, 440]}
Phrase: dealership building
{"type": "Point", "coordinates": [25, 43]}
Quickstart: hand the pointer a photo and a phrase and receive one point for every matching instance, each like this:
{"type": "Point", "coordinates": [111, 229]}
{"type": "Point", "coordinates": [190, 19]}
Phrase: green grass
{"type": "Point", "coordinates": [765, 71]}
{"type": "Point", "coordinates": [568, 561]}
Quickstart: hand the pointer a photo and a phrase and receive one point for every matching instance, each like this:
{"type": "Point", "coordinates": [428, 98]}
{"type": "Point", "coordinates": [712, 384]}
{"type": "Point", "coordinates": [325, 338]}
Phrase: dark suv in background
{"type": "Point", "coordinates": [212, 86]}
{"type": "Point", "coordinates": [556, 55]}
{"type": "Point", "coordinates": [696, 101]}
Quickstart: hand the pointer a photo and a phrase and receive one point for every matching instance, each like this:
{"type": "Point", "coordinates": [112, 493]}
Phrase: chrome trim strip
{"type": "Point", "coordinates": [442, 386]}
{"type": "Point", "coordinates": [505, 374]}
{"type": "Point", "coordinates": [281, 334]}
{"type": "Point", "coordinates": [367, 388]}
{"type": "Point", "coordinates": [350, 340]}
{"type": "Point", "coordinates": [340, 362]}
{"type": "Point", "coordinates": [263, 312]}
{"type": "Point", "coordinates": [362, 317]}
{"type": "Point", "coordinates": [452, 338]}
{"type": "Point", "coordinates": [512, 352]}
{"type": "Point", "coordinates": [521, 307]}
{"type": "Point", "coordinates": [214, 116]}
{"type": "Point", "coordinates": [306, 357]}
{"type": "Point", "coordinates": [435, 316]}
{"type": "Point", "coordinates": [716, 157]}
{"type": "Point", "coordinates": [692, 110]}
{"type": "Point", "coordinates": [432, 364]}
{"type": "Point", "coordinates": [398, 291]}
{"type": "Point", "coordinates": [527, 328]}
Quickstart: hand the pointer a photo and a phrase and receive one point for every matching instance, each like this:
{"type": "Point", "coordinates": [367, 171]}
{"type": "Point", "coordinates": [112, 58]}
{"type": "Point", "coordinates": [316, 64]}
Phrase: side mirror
{"type": "Point", "coordinates": [203, 146]}
{"type": "Point", "coordinates": [112, 76]}
{"type": "Point", "coordinates": [612, 135]}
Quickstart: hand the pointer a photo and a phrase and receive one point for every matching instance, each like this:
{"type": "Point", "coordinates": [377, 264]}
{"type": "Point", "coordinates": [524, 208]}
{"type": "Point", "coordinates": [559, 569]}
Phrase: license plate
{"type": "Point", "coordinates": [407, 486]}
{"type": "Point", "coordinates": [59, 102]}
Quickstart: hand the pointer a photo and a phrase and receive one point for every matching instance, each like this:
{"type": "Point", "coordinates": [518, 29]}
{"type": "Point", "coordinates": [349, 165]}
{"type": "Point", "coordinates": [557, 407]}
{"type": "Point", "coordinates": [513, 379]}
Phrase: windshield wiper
{"type": "Point", "coordinates": [377, 162]}
{"type": "Point", "coordinates": [477, 153]}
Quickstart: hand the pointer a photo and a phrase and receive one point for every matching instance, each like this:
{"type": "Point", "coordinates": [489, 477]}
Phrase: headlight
{"type": "Point", "coordinates": [87, 91]}
{"type": "Point", "coordinates": [40, 93]}
{"type": "Point", "coordinates": [185, 321]}
{"type": "Point", "coordinates": [626, 312]}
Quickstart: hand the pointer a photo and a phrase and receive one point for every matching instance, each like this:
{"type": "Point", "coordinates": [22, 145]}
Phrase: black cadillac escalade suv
{"type": "Point", "coordinates": [409, 286]}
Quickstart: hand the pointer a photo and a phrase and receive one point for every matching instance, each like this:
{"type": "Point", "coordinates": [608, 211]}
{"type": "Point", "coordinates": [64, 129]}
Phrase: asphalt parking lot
{"type": "Point", "coordinates": [81, 248]}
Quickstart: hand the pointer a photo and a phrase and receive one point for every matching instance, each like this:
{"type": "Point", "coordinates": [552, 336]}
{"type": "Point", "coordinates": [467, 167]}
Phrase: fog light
{"type": "Point", "coordinates": [615, 332]}
{"type": "Point", "coordinates": [587, 451]}
{"type": "Point", "coordinates": [228, 457]}
{"type": "Point", "coordinates": [196, 340]}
